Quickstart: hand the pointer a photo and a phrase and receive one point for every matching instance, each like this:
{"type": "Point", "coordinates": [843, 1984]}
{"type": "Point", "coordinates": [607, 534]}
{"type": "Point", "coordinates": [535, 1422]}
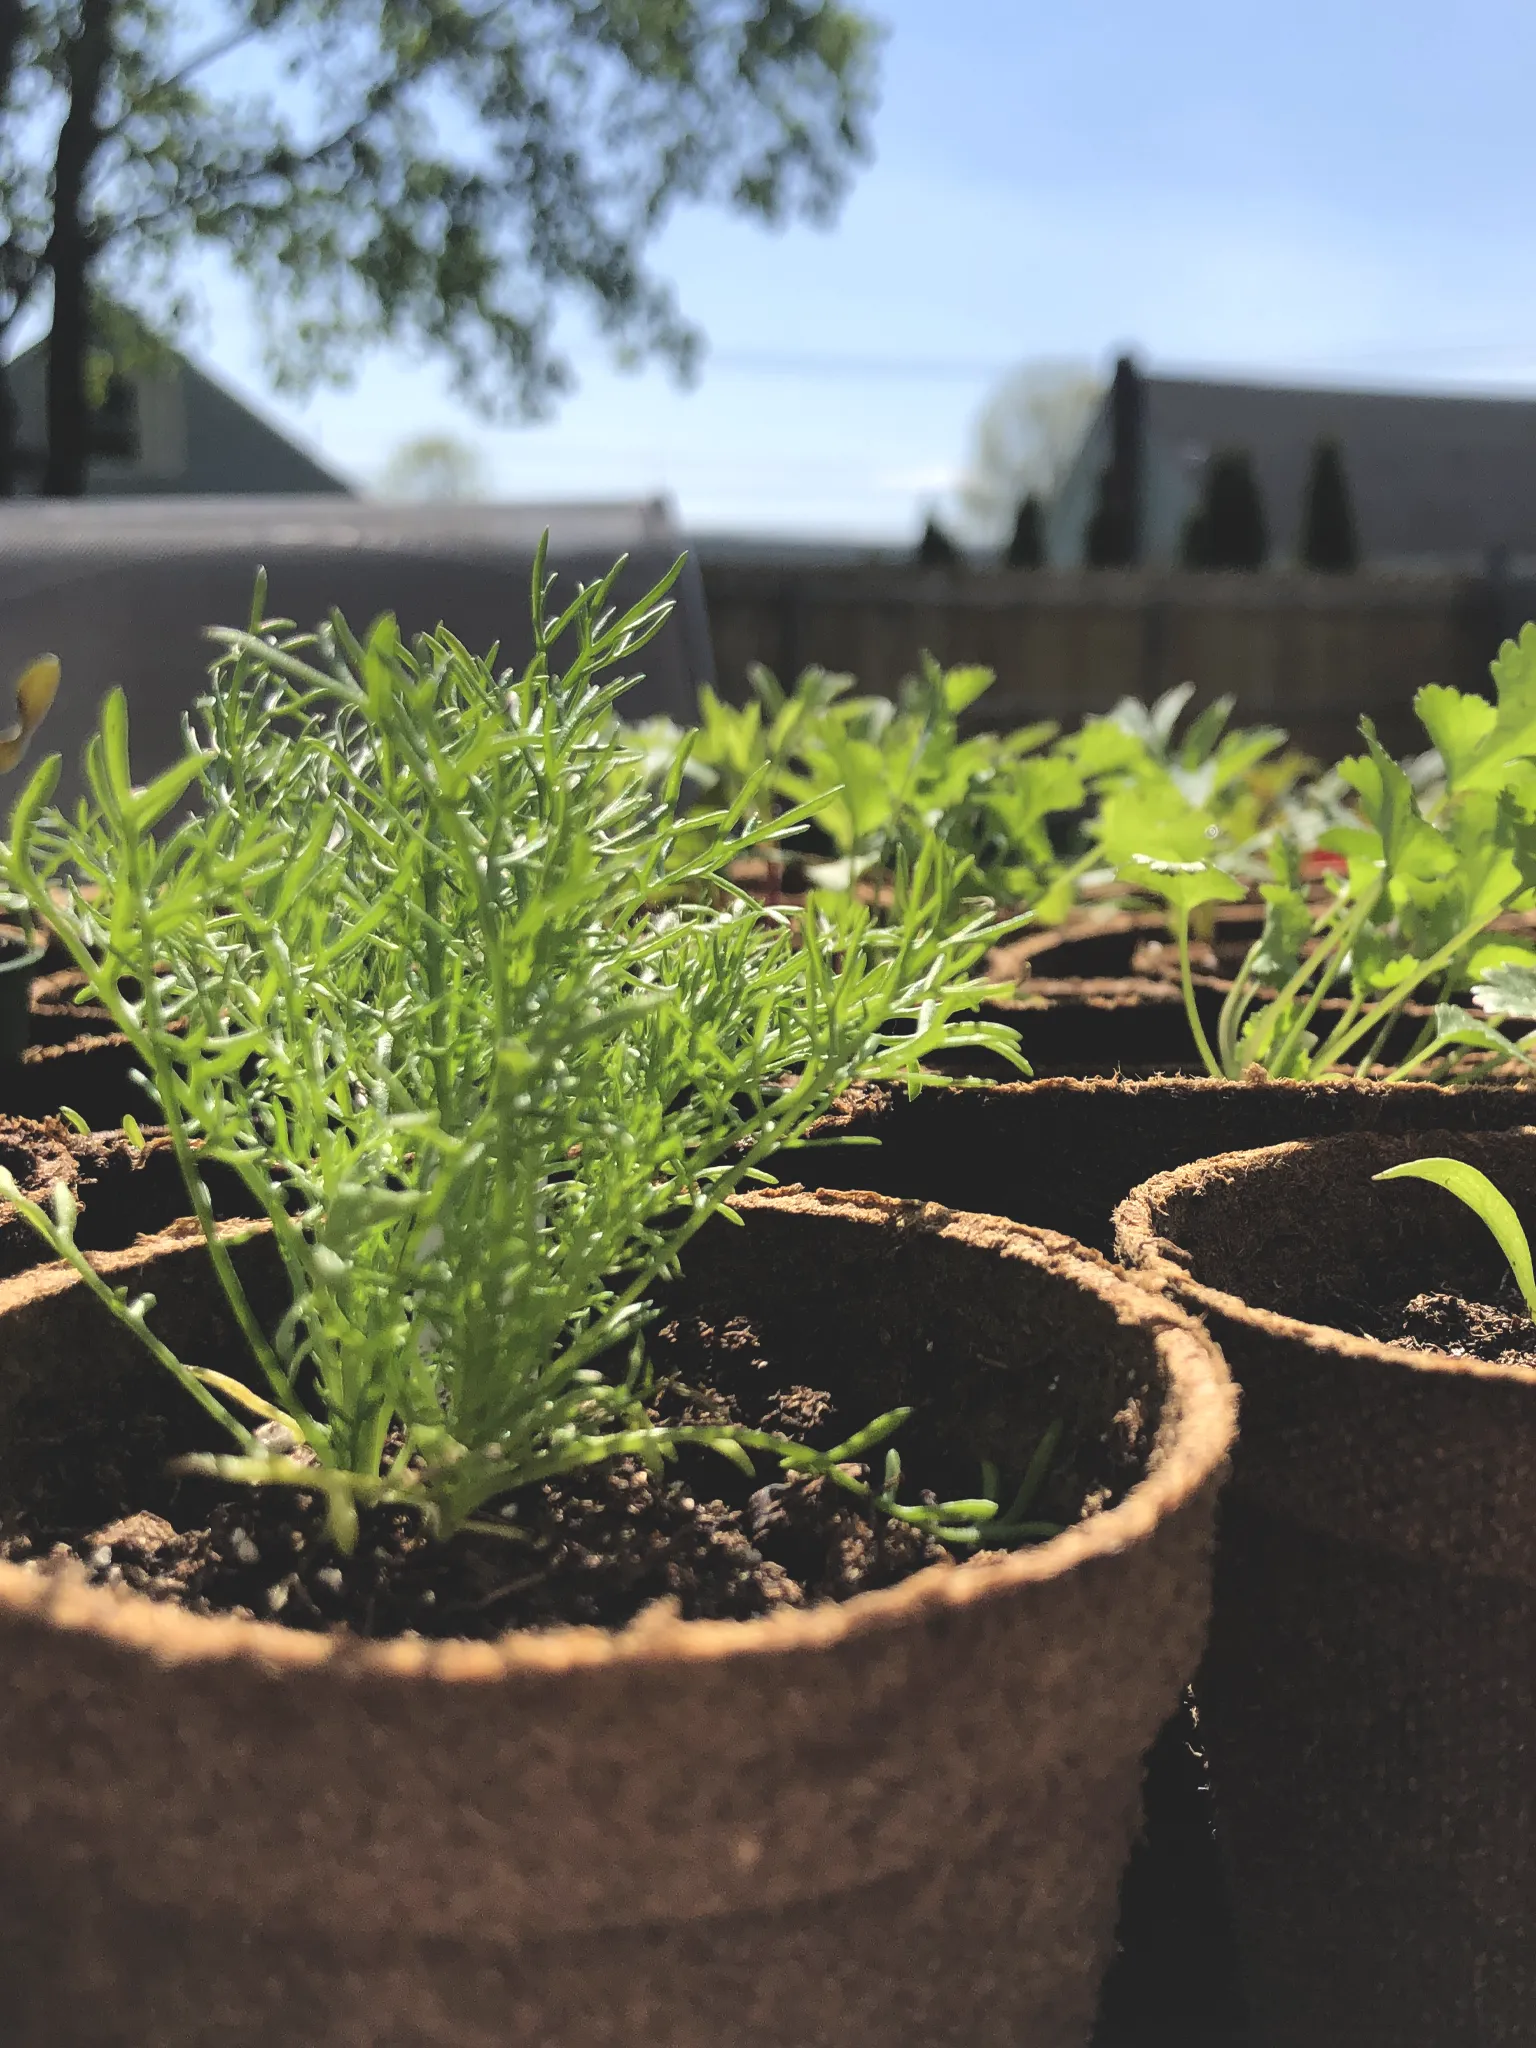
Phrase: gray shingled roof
{"type": "Point", "coordinates": [1431, 476]}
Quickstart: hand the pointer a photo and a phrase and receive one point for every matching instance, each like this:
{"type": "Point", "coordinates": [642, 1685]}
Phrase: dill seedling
{"type": "Point", "coordinates": [487, 1033]}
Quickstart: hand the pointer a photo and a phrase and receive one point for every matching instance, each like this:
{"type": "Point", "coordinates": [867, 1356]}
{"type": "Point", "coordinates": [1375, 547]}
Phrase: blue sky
{"type": "Point", "coordinates": [1316, 191]}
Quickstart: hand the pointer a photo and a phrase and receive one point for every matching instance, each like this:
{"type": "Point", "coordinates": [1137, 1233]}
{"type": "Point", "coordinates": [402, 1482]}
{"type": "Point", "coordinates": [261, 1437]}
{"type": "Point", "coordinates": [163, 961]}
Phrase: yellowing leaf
{"type": "Point", "coordinates": [35, 691]}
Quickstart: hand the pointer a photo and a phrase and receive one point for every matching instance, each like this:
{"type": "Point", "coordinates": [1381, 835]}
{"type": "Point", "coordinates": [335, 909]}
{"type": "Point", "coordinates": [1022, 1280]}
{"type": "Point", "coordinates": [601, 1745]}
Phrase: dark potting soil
{"type": "Point", "coordinates": [600, 1547]}
{"type": "Point", "coordinates": [1463, 1328]}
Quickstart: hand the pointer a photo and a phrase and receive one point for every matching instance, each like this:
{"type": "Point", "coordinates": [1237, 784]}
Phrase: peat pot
{"type": "Point", "coordinates": [899, 1818]}
{"type": "Point", "coordinates": [120, 1190]}
{"type": "Point", "coordinates": [19, 962]}
{"type": "Point", "coordinates": [1103, 997]}
{"type": "Point", "coordinates": [90, 1073]}
{"type": "Point", "coordinates": [1368, 1699]}
{"type": "Point", "coordinates": [54, 1051]}
{"type": "Point", "coordinates": [1132, 944]}
{"type": "Point", "coordinates": [1062, 1153]}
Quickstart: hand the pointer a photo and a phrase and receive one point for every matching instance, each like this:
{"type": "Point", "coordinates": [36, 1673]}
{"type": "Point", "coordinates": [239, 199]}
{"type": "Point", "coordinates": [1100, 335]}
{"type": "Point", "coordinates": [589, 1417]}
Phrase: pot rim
{"type": "Point", "coordinates": [1193, 1440]}
{"type": "Point", "coordinates": [1157, 1260]}
{"type": "Point", "coordinates": [864, 1096]}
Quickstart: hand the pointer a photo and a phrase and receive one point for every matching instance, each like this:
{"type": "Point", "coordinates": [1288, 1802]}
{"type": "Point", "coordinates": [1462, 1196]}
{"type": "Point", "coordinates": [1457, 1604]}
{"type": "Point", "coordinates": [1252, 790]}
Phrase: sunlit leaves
{"type": "Point", "coordinates": [478, 1019]}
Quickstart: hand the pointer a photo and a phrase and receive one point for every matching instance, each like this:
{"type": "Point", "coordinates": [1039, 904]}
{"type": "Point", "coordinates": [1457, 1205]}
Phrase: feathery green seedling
{"type": "Point", "coordinates": [1473, 1187]}
{"type": "Point", "coordinates": [486, 1033]}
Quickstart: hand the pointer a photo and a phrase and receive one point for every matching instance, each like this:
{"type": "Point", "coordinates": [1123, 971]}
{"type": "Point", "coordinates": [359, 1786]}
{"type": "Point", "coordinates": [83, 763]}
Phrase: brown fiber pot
{"type": "Point", "coordinates": [72, 1055]}
{"type": "Point", "coordinates": [1062, 1153]}
{"type": "Point", "coordinates": [1368, 1698]}
{"type": "Point", "coordinates": [902, 1818]}
{"type": "Point", "coordinates": [1135, 943]}
{"type": "Point", "coordinates": [89, 1073]}
{"type": "Point", "coordinates": [121, 1191]}
{"type": "Point", "coordinates": [1099, 996]}
{"type": "Point", "coordinates": [1103, 997]}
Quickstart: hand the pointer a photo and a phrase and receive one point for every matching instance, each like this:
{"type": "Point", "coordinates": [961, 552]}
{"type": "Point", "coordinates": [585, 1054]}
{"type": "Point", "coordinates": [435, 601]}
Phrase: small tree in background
{"type": "Point", "coordinates": [936, 550]}
{"type": "Point", "coordinates": [1329, 540]}
{"type": "Point", "coordinates": [1227, 529]}
{"type": "Point", "coordinates": [1025, 439]}
{"type": "Point", "coordinates": [437, 469]}
{"type": "Point", "coordinates": [1026, 549]}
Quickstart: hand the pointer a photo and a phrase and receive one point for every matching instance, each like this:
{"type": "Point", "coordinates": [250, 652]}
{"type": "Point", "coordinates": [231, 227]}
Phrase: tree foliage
{"type": "Point", "coordinates": [438, 173]}
{"type": "Point", "coordinates": [1024, 441]}
{"type": "Point", "coordinates": [1114, 536]}
{"type": "Point", "coordinates": [435, 469]}
{"type": "Point", "coordinates": [1026, 544]}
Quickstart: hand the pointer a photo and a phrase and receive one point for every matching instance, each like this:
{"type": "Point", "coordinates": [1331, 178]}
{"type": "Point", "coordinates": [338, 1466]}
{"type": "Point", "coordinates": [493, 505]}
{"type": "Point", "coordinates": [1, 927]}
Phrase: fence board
{"type": "Point", "coordinates": [1309, 652]}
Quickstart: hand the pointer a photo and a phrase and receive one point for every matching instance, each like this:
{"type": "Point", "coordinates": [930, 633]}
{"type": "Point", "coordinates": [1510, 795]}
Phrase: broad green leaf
{"type": "Point", "coordinates": [1456, 1026]}
{"type": "Point", "coordinates": [1388, 800]}
{"type": "Point", "coordinates": [1458, 724]}
{"type": "Point", "coordinates": [1499, 950]}
{"type": "Point", "coordinates": [1186, 884]}
{"type": "Point", "coordinates": [962, 686]}
{"type": "Point", "coordinates": [1507, 990]}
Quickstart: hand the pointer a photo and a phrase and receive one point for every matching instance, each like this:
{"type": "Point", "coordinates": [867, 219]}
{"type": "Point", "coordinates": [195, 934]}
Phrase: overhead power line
{"type": "Point", "coordinates": [775, 363]}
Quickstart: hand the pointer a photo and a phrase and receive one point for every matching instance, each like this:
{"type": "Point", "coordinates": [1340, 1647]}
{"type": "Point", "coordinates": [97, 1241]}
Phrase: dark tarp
{"type": "Point", "coordinates": [121, 593]}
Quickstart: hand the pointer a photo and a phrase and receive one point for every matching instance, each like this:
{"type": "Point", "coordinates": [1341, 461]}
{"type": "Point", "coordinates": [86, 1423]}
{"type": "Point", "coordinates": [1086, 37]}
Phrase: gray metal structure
{"type": "Point", "coordinates": [122, 591]}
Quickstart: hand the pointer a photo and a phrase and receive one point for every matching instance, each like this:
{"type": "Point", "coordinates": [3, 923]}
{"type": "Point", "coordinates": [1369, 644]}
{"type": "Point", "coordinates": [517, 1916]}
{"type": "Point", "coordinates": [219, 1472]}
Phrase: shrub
{"type": "Point", "coordinates": [1328, 538]}
{"type": "Point", "coordinates": [1227, 529]}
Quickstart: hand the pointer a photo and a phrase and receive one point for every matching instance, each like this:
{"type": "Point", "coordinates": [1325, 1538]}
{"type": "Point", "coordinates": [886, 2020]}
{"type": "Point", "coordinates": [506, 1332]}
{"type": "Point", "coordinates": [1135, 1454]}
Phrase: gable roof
{"type": "Point", "coordinates": [192, 437]}
{"type": "Point", "coordinates": [1431, 476]}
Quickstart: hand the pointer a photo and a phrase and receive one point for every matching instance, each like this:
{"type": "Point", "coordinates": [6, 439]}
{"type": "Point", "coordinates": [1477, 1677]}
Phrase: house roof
{"type": "Point", "coordinates": [193, 438]}
{"type": "Point", "coordinates": [1431, 475]}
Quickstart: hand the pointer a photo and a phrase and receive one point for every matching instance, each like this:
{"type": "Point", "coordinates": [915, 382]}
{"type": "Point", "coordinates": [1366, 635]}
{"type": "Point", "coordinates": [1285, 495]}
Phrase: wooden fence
{"type": "Point", "coordinates": [1307, 652]}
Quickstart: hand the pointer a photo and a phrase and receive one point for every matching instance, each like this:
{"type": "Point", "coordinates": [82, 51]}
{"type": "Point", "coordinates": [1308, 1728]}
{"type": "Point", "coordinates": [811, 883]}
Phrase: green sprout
{"type": "Point", "coordinates": [487, 1033]}
{"type": "Point", "coordinates": [1405, 918]}
{"type": "Point", "coordinates": [884, 775]}
{"type": "Point", "coordinates": [1490, 1207]}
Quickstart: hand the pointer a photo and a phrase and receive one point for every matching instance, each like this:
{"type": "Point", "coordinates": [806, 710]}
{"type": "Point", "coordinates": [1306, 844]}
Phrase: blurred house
{"type": "Point", "coordinates": [169, 431]}
{"type": "Point", "coordinates": [1437, 482]}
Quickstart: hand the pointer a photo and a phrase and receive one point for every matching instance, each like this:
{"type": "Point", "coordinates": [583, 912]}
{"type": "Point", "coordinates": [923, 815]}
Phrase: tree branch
{"type": "Point", "coordinates": [223, 46]}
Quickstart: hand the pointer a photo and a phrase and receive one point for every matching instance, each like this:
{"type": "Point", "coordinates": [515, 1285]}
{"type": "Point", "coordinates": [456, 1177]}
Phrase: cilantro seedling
{"type": "Point", "coordinates": [1405, 915]}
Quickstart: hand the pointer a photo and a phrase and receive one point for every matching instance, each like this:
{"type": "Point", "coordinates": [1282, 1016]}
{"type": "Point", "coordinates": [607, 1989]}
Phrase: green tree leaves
{"type": "Point", "coordinates": [445, 176]}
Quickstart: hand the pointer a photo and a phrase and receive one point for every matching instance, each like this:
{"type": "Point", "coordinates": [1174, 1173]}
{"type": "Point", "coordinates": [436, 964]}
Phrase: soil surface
{"type": "Point", "coordinates": [1464, 1329]}
{"type": "Point", "coordinates": [599, 1547]}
